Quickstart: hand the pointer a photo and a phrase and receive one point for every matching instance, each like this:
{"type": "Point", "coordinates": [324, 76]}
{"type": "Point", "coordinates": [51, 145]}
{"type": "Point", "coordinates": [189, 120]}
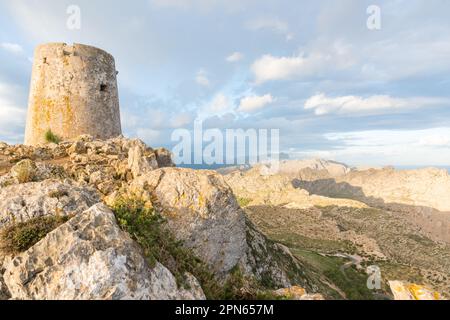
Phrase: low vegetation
{"type": "Point", "coordinates": [20, 237]}
{"type": "Point", "coordinates": [50, 137]}
{"type": "Point", "coordinates": [243, 202]}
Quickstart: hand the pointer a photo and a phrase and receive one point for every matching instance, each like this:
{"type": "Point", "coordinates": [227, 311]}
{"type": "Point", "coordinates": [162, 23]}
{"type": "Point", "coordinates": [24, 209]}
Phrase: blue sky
{"type": "Point", "coordinates": [312, 69]}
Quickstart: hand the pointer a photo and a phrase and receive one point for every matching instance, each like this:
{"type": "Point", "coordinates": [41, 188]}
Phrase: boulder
{"type": "Point", "coordinates": [91, 258]}
{"type": "Point", "coordinates": [24, 171]}
{"type": "Point", "coordinates": [411, 291]}
{"type": "Point", "coordinates": [19, 203]}
{"type": "Point", "coordinates": [164, 158]}
{"type": "Point", "coordinates": [139, 163]}
{"type": "Point", "coordinates": [201, 211]}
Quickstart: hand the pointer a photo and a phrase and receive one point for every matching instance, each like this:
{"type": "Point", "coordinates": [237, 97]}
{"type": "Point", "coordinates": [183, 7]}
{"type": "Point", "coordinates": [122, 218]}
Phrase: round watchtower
{"type": "Point", "coordinates": [73, 92]}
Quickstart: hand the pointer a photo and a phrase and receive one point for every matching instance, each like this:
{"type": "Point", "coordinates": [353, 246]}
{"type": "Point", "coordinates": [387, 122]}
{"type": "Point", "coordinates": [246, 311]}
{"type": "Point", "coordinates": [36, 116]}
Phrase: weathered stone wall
{"type": "Point", "coordinates": [73, 92]}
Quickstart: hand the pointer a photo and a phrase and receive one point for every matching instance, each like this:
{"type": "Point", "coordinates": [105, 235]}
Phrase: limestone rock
{"type": "Point", "coordinates": [78, 147]}
{"type": "Point", "coordinates": [271, 263]}
{"type": "Point", "coordinates": [407, 291]}
{"type": "Point", "coordinates": [28, 171]}
{"type": "Point", "coordinates": [24, 171]}
{"type": "Point", "coordinates": [139, 163]}
{"type": "Point", "coordinates": [278, 189]}
{"type": "Point", "coordinates": [164, 158]}
{"type": "Point", "coordinates": [106, 165]}
{"type": "Point", "coordinates": [202, 212]}
{"type": "Point", "coordinates": [90, 257]}
{"type": "Point", "coordinates": [19, 203]}
{"type": "Point", "coordinates": [387, 187]}
{"type": "Point", "coordinates": [297, 293]}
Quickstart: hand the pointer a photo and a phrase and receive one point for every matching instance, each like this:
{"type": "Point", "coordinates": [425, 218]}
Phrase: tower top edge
{"type": "Point", "coordinates": [70, 47]}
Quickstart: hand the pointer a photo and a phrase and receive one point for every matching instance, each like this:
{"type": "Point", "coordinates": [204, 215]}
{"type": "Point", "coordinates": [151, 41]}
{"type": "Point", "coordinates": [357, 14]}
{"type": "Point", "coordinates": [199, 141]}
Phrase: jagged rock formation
{"type": "Point", "coordinates": [201, 210]}
{"type": "Point", "coordinates": [90, 257]}
{"type": "Point", "coordinates": [386, 187]}
{"type": "Point", "coordinates": [106, 165]}
{"type": "Point", "coordinates": [277, 189]}
{"type": "Point", "coordinates": [333, 168]}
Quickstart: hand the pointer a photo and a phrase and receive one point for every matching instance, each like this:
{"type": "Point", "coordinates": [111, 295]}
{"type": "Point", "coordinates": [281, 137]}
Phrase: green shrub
{"type": "Point", "coordinates": [243, 202]}
{"type": "Point", "coordinates": [20, 237]}
{"type": "Point", "coordinates": [50, 137]}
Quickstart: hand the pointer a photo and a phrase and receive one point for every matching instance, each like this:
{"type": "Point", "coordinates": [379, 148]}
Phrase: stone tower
{"type": "Point", "coordinates": [73, 92]}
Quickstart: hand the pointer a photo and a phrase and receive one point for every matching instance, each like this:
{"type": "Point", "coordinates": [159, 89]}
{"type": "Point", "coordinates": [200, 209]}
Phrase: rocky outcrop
{"type": "Point", "coordinates": [387, 188]}
{"type": "Point", "coordinates": [277, 189]}
{"type": "Point", "coordinates": [272, 263]}
{"type": "Point", "coordinates": [201, 210]}
{"type": "Point", "coordinates": [106, 165]}
{"type": "Point", "coordinates": [332, 168]}
{"type": "Point", "coordinates": [28, 171]}
{"type": "Point", "coordinates": [22, 202]}
{"type": "Point", "coordinates": [410, 291]}
{"type": "Point", "coordinates": [90, 257]}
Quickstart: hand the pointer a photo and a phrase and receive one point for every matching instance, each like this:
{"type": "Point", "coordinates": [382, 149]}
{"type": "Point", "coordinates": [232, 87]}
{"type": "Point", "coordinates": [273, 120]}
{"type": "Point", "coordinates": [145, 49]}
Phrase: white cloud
{"type": "Point", "coordinates": [290, 36]}
{"type": "Point", "coordinates": [436, 140]}
{"type": "Point", "coordinates": [274, 24]}
{"type": "Point", "coordinates": [235, 57]}
{"type": "Point", "coordinates": [12, 47]}
{"type": "Point", "coordinates": [202, 78]}
{"type": "Point", "coordinates": [148, 135]}
{"type": "Point", "coordinates": [269, 67]}
{"type": "Point", "coordinates": [219, 104]}
{"type": "Point", "coordinates": [322, 61]}
{"type": "Point", "coordinates": [321, 104]}
{"type": "Point", "coordinates": [10, 112]}
{"type": "Point", "coordinates": [180, 120]}
{"type": "Point", "coordinates": [254, 103]}
{"type": "Point", "coordinates": [12, 115]}
{"type": "Point", "coordinates": [426, 147]}
{"type": "Point", "coordinates": [200, 5]}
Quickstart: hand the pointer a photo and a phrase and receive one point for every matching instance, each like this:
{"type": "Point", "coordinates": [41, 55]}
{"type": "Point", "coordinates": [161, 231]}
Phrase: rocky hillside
{"type": "Point", "coordinates": [90, 219]}
{"type": "Point", "coordinates": [337, 235]}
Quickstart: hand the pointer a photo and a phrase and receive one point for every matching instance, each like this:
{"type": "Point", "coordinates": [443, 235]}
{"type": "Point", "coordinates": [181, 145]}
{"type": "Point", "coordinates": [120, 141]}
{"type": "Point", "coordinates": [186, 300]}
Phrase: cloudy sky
{"type": "Point", "coordinates": [313, 69]}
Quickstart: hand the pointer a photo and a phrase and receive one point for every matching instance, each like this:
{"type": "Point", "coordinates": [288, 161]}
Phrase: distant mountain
{"type": "Point", "coordinates": [331, 215]}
